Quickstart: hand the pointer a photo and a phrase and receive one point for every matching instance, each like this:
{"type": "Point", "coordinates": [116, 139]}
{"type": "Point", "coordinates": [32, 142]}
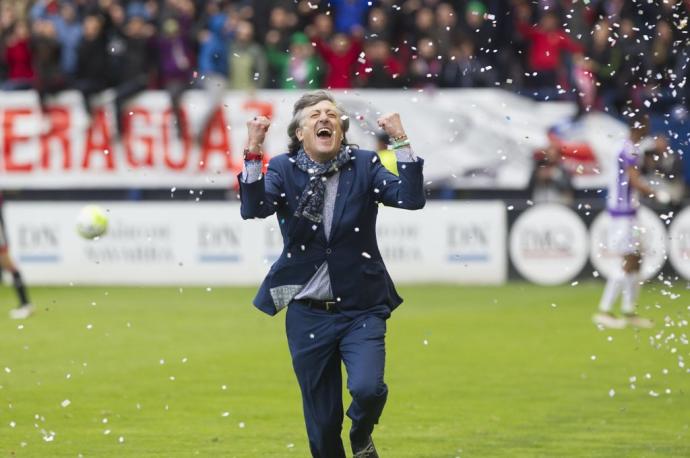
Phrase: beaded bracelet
{"type": "Point", "coordinates": [400, 143]}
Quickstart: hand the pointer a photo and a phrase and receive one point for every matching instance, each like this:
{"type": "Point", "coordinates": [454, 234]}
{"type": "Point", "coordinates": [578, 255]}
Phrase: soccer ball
{"type": "Point", "coordinates": [92, 222]}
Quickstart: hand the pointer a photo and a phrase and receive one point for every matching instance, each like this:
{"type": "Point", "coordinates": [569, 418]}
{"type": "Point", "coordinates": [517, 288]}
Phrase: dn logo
{"type": "Point", "coordinates": [218, 236]}
{"type": "Point", "coordinates": [32, 237]}
{"type": "Point", "coordinates": [468, 235]}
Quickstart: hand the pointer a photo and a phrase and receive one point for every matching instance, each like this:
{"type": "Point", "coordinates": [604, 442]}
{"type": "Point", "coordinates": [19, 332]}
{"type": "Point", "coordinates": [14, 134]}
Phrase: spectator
{"type": "Point", "coordinates": [322, 27]}
{"type": "Point", "coordinates": [213, 66]}
{"type": "Point", "coordinates": [379, 25]}
{"type": "Point", "coordinates": [18, 58]}
{"type": "Point", "coordinates": [350, 14]}
{"type": "Point", "coordinates": [69, 32]}
{"type": "Point", "coordinates": [249, 68]}
{"type": "Point", "coordinates": [633, 67]}
{"type": "Point", "coordinates": [447, 32]}
{"type": "Point", "coordinates": [425, 66]}
{"type": "Point", "coordinates": [380, 69]}
{"type": "Point", "coordinates": [476, 26]}
{"type": "Point", "coordinates": [92, 65]}
{"type": "Point", "coordinates": [116, 46]}
{"type": "Point", "coordinates": [585, 84]}
{"type": "Point", "coordinates": [550, 181]}
{"type": "Point", "coordinates": [146, 11]}
{"type": "Point", "coordinates": [175, 62]}
{"type": "Point", "coordinates": [464, 68]}
{"type": "Point", "coordinates": [298, 69]}
{"type": "Point", "coordinates": [663, 168]}
{"type": "Point", "coordinates": [417, 26]}
{"type": "Point", "coordinates": [606, 62]}
{"type": "Point", "coordinates": [138, 65]}
{"type": "Point", "coordinates": [46, 54]}
{"type": "Point", "coordinates": [546, 41]}
{"type": "Point", "coordinates": [662, 58]}
{"type": "Point", "coordinates": [44, 10]}
{"type": "Point", "coordinates": [282, 23]}
{"type": "Point", "coordinates": [213, 52]}
{"type": "Point", "coordinates": [340, 55]}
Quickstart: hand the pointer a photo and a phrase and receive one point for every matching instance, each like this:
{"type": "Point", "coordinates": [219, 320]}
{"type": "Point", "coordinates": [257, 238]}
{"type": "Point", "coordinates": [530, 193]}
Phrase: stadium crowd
{"type": "Point", "coordinates": [602, 53]}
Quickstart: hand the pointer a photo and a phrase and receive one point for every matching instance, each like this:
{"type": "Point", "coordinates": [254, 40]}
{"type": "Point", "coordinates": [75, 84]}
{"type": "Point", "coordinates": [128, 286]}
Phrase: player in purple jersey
{"type": "Point", "coordinates": [624, 232]}
{"type": "Point", "coordinates": [25, 308]}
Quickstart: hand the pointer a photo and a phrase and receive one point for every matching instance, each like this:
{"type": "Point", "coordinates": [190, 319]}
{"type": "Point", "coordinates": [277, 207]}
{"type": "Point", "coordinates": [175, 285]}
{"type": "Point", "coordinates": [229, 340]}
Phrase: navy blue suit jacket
{"type": "Point", "coordinates": [359, 278]}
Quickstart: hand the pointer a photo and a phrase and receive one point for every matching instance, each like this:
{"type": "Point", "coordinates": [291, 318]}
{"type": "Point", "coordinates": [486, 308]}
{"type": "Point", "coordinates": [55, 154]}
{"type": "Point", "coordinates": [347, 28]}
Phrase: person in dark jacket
{"type": "Point", "coordinates": [91, 74]}
{"type": "Point", "coordinates": [138, 65]}
{"type": "Point", "coordinates": [47, 60]}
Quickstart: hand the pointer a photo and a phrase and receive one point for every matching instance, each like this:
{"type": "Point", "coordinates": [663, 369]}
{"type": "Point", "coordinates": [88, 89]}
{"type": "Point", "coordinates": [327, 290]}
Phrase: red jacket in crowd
{"type": "Point", "coordinates": [18, 61]}
{"type": "Point", "coordinates": [545, 47]}
{"type": "Point", "coordinates": [340, 66]}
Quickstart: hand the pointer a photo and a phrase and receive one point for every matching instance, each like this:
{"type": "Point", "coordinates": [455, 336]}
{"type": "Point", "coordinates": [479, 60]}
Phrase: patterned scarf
{"type": "Point", "coordinates": [309, 213]}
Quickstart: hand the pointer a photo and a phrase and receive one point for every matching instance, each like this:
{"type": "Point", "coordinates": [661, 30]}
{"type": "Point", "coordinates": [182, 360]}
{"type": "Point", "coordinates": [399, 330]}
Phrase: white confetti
{"type": "Point", "coordinates": [65, 403]}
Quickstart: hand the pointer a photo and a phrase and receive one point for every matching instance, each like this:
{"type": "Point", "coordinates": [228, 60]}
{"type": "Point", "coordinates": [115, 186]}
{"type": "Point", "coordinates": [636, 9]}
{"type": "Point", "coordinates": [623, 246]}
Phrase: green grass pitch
{"type": "Point", "coordinates": [512, 371]}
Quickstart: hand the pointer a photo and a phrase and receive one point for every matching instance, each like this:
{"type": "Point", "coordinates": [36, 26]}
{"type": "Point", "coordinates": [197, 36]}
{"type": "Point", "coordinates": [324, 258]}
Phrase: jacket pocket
{"type": "Point", "coordinates": [374, 287]}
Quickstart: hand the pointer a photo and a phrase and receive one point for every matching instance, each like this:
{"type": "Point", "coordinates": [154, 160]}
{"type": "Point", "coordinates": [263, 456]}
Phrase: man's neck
{"type": "Point", "coordinates": [322, 158]}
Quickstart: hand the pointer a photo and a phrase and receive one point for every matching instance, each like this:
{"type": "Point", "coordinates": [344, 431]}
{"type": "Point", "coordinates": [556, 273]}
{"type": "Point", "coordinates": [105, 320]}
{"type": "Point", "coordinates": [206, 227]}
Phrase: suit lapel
{"type": "Point", "coordinates": [347, 176]}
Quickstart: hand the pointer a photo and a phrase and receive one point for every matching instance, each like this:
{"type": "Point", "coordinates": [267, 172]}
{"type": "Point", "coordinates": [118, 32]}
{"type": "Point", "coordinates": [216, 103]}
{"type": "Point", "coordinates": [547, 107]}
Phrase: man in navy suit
{"type": "Point", "coordinates": [326, 194]}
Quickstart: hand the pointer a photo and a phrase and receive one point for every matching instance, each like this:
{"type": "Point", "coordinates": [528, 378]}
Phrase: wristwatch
{"type": "Point", "coordinates": [249, 156]}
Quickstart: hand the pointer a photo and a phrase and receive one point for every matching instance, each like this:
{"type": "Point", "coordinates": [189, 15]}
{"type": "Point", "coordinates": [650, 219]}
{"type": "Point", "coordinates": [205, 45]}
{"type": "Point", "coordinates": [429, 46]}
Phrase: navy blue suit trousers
{"type": "Point", "coordinates": [319, 342]}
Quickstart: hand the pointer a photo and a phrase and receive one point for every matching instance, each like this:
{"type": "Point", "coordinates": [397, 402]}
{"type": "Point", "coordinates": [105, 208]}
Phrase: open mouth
{"type": "Point", "coordinates": [324, 132]}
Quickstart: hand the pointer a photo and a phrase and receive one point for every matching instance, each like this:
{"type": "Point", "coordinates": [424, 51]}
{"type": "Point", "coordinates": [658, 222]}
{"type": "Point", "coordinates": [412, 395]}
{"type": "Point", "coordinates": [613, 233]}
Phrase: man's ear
{"type": "Point", "coordinates": [299, 134]}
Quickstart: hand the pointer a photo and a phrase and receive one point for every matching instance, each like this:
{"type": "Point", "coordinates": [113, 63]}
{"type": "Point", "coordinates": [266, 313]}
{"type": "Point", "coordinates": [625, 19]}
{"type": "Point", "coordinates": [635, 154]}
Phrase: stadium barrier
{"type": "Point", "coordinates": [208, 244]}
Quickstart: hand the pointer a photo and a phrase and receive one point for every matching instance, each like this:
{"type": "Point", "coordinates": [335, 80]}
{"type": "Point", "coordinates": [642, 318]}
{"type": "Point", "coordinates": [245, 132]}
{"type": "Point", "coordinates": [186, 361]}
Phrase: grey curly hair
{"type": "Point", "coordinates": [307, 100]}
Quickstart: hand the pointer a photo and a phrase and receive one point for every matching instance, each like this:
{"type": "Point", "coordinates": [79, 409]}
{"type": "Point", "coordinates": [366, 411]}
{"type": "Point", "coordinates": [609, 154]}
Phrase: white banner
{"type": "Point", "coordinates": [475, 138]}
{"type": "Point", "coordinates": [447, 242]}
{"type": "Point", "coordinates": [209, 244]}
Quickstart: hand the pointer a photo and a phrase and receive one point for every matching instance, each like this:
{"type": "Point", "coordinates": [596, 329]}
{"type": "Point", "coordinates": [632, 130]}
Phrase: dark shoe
{"type": "Point", "coordinates": [367, 451]}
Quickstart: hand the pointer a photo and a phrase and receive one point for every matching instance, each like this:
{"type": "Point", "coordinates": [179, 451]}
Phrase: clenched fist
{"type": "Point", "coordinates": [391, 125]}
{"type": "Point", "coordinates": [256, 129]}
